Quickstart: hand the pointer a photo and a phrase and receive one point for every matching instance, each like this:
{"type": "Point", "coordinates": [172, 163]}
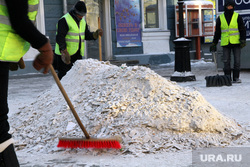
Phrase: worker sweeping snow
{"type": "Point", "coordinates": [17, 30]}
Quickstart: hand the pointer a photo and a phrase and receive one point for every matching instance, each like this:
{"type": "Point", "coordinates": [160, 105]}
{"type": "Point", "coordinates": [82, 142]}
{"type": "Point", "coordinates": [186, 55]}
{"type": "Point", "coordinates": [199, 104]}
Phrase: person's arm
{"type": "Point", "coordinates": [62, 30]}
{"type": "Point", "coordinates": [18, 14]}
{"type": "Point", "coordinates": [217, 33]}
{"type": "Point", "coordinates": [89, 35]}
{"type": "Point", "coordinates": [242, 28]}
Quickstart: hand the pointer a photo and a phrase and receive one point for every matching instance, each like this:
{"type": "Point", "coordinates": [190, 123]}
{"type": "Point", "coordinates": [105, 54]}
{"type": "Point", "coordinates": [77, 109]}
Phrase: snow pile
{"type": "Point", "coordinates": [148, 112]}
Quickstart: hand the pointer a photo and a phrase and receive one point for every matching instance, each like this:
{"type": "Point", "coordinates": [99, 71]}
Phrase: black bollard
{"type": "Point", "coordinates": [182, 55]}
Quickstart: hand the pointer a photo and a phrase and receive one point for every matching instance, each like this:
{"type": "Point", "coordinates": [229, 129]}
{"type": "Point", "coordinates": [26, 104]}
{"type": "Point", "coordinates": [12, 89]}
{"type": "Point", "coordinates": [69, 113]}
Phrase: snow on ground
{"type": "Point", "coordinates": [37, 124]}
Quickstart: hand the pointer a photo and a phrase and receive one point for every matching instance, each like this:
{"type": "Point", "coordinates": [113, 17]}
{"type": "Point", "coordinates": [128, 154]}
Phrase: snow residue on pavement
{"type": "Point", "coordinates": [146, 111]}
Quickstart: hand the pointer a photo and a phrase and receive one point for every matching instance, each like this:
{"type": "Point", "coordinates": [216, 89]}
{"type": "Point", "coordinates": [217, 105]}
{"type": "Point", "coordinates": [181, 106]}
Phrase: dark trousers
{"type": "Point", "coordinates": [4, 79]}
{"type": "Point", "coordinates": [8, 157]}
{"type": "Point", "coordinates": [63, 68]}
{"type": "Point", "coordinates": [227, 61]}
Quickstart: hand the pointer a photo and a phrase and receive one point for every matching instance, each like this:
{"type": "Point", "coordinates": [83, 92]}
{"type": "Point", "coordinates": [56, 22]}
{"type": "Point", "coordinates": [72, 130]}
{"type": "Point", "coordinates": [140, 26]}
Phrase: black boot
{"type": "Point", "coordinates": [236, 76]}
{"type": "Point", "coordinates": [8, 157]}
{"type": "Point", "coordinates": [228, 73]}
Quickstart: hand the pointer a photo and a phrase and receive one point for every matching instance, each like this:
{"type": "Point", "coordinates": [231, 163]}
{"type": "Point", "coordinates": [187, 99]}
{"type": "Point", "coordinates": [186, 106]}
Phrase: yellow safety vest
{"type": "Point", "coordinates": [229, 33]}
{"type": "Point", "coordinates": [12, 46]}
{"type": "Point", "coordinates": [73, 36]}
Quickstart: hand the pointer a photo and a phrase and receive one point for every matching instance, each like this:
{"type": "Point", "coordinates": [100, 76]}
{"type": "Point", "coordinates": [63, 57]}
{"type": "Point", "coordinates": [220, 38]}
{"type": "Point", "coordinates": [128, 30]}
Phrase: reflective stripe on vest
{"type": "Point", "coordinates": [229, 33]}
{"type": "Point", "coordinates": [12, 46]}
{"type": "Point", "coordinates": [73, 36]}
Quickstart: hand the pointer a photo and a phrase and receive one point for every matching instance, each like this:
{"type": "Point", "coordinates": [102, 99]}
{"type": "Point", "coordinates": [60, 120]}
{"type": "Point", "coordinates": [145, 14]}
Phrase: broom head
{"type": "Point", "coordinates": [88, 143]}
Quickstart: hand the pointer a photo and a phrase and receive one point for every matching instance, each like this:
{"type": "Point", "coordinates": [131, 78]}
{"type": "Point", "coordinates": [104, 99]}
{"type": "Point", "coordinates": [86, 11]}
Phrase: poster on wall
{"type": "Point", "coordinates": [209, 39]}
{"type": "Point", "coordinates": [240, 5]}
{"type": "Point", "coordinates": [128, 20]}
{"type": "Point", "coordinates": [246, 19]}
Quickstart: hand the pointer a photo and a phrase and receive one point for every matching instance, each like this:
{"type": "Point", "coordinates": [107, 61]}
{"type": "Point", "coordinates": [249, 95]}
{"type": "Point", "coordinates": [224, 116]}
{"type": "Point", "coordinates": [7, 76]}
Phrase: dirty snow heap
{"type": "Point", "coordinates": [146, 111]}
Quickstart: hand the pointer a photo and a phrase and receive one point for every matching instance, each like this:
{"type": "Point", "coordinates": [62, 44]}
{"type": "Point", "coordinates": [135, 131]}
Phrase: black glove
{"type": "Point", "coordinates": [213, 47]}
{"type": "Point", "coordinates": [242, 43]}
{"type": "Point", "coordinates": [14, 66]}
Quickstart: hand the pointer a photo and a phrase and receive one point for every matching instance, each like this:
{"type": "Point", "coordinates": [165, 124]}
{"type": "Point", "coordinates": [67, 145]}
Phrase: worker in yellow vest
{"type": "Point", "coordinates": [231, 30]}
{"type": "Point", "coordinates": [72, 31]}
{"type": "Point", "coordinates": [17, 32]}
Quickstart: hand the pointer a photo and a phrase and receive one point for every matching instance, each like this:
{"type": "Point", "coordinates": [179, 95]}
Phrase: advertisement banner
{"type": "Point", "coordinates": [128, 20]}
{"type": "Point", "coordinates": [246, 19]}
{"type": "Point", "coordinates": [209, 39]}
{"type": "Point", "coordinates": [240, 5]}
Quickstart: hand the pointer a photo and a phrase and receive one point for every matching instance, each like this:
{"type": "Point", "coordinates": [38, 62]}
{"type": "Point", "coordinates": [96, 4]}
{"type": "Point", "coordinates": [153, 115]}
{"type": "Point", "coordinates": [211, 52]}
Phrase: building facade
{"type": "Point", "coordinates": [141, 30]}
{"type": "Point", "coordinates": [151, 17]}
{"type": "Point", "coordinates": [154, 21]}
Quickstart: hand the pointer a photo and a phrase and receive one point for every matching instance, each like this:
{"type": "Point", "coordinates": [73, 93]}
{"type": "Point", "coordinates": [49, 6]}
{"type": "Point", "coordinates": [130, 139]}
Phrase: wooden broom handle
{"type": "Point", "coordinates": [100, 40]}
{"type": "Point", "coordinates": [69, 102]}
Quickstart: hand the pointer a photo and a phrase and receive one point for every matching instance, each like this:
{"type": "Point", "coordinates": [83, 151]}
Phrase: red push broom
{"type": "Point", "coordinates": [81, 142]}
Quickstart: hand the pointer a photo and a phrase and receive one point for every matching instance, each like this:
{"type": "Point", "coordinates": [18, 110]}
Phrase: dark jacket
{"type": "Point", "coordinates": [63, 30]}
{"type": "Point", "coordinates": [241, 27]}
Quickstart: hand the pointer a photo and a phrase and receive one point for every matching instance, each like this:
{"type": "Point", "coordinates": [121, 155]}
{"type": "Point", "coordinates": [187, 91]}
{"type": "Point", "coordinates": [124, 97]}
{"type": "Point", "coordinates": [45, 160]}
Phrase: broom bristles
{"type": "Point", "coordinates": [89, 143]}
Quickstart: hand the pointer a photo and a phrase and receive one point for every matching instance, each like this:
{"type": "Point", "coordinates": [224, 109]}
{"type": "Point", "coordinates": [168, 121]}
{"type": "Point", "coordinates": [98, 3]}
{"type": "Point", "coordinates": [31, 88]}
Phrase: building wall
{"type": "Point", "coordinates": [155, 42]}
{"type": "Point", "coordinates": [53, 11]}
{"type": "Point", "coordinates": [171, 21]}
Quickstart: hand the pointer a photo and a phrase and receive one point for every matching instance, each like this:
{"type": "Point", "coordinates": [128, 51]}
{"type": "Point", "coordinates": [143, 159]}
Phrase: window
{"type": "Point", "coordinates": [151, 14]}
{"type": "Point", "coordinates": [154, 17]}
{"type": "Point", "coordinates": [155, 35]}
